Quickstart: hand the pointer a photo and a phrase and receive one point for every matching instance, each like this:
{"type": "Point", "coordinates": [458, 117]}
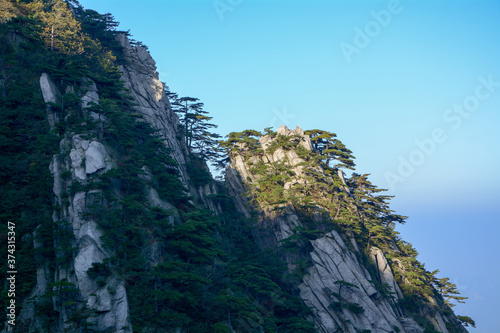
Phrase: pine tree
{"type": "Point", "coordinates": [7, 10]}
{"type": "Point", "coordinates": [331, 149]}
{"type": "Point", "coordinates": [448, 290]}
{"type": "Point", "coordinates": [198, 136]}
{"type": "Point", "coordinates": [60, 29]}
{"type": "Point", "coordinates": [373, 209]}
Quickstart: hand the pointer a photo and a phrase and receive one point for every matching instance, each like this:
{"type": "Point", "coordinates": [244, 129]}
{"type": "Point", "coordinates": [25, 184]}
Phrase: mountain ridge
{"type": "Point", "coordinates": [130, 233]}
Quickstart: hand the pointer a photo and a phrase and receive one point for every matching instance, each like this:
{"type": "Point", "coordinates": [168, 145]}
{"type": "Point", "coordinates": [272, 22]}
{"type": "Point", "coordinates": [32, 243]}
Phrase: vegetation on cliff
{"type": "Point", "coordinates": [209, 274]}
{"type": "Point", "coordinates": [210, 277]}
{"type": "Point", "coordinates": [312, 180]}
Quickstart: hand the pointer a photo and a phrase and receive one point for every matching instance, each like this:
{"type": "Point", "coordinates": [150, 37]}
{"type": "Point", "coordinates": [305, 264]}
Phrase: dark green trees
{"type": "Point", "coordinates": [448, 290]}
{"type": "Point", "coordinates": [315, 184]}
{"type": "Point", "coordinates": [331, 149]}
{"type": "Point", "coordinates": [377, 219]}
{"type": "Point", "coordinates": [198, 136]}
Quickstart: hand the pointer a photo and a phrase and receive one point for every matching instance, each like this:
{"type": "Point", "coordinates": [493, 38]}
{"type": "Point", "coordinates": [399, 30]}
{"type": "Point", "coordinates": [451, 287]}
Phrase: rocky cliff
{"type": "Point", "coordinates": [335, 274]}
{"type": "Point", "coordinates": [83, 158]}
{"type": "Point", "coordinates": [130, 238]}
{"type": "Point", "coordinates": [336, 285]}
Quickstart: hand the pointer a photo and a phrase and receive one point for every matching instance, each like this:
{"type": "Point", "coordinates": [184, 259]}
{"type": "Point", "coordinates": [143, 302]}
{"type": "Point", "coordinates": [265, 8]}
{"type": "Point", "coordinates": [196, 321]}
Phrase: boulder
{"type": "Point", "coordinates": [95, 157]}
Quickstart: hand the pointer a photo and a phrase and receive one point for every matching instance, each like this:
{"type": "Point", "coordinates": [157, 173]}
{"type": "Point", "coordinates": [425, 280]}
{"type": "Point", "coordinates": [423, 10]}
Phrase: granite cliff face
{"type": "Point", "coordinates": [334, 258]}
{"type": "Point", "coordinates": [82, 160]}
{"type": "Point", "coordinates": [337, 284]}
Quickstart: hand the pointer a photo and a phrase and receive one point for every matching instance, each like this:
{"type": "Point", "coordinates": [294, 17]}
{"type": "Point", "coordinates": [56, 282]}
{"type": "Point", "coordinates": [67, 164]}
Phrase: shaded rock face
{"type": "Point", "coordinates": [82, 159]}
{"type": "Point", "coordinates": [333, 262]}
{"type": "Point", "coordinates": [51, 95]}
{"type": "Point", "coordinates": [385, 272]}
{"type": "Point", "coordinates": [141, 77]}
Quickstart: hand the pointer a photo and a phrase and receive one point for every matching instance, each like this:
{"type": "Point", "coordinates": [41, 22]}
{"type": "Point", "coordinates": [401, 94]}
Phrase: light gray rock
{"type": "Point", "coordinates": [283, 130]}
{"type": "Point", "coordinates": [438, 322]}
{"type": "Point", "coordinates": [90, 95]}
{"type": "Point", "coordinates": [239, 164]}
{"type": "Point", "coordinates": [410, 326]}
{"type": "Point", "coordinates": [146, 175]}
{"type": "Point", "coordinates": [141, 78]}
{"type": "Point", "coordinates": [50, 94]}
{"type": "Point", "coordinates": [95, 157]}
{"type": "Point", "coordinates": [77, 157]}
{"type": "Point", "coordinates": [155, 201]}
{"type": "Point", "coordinates": [236, 190]}
{"type": "Point", "coordinates": [89, 252]}
{"type": "Point", "coordinates": [385, 272]}
{"type": "Point", "coordinates": [332, 262]}
{"type": "Point", "coordinates": [79, 142]}
{"type": "Point", "coordinates": [204, 193]}
{"type": "Point", "coordinates": [55, 170]}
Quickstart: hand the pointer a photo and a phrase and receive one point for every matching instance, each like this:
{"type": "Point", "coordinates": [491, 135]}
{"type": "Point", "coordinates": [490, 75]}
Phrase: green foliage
{"type": "Point", "coordinates": [355, 308]}
{"type": "Point", "coordinates": [245, 143]}
{"type": "Point", "coordinates": [27, 147]}
{"type": "Point", "coordinates": [99, 272]}
{"type": "Point", "coordinates": [331, 149]}
{"type": "Point", "coordinates": [194, 124]}
{"type": "Point", "coordinates": [467, 321]}
{"type": "Point", "coordinates": [101, 27]}
{"type": "Point", "coordinates": [341, 302]}
{"type": "Point", "coordinates": [447, 290]}
{"type": "Point", "coordinates": [270, 184]}
{"type": "Point", "coordinates": [207, 285]}
{"type": "Point", "coordinates": [198, 171]}
{"type": "Point", "coordinates": [335, 305]}
{"type": "Point", "coordinates": [285, 142]}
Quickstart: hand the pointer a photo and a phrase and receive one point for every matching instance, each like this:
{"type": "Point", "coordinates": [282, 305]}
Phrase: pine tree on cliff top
{"type": "Point", "coordinates": [331, 149]}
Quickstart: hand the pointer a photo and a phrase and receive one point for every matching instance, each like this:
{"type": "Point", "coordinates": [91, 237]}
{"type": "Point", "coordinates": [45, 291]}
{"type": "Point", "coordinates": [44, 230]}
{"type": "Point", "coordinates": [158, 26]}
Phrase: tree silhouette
{"type": "Point", "coordinates": [331, 149]}
{"type": "Point", "coordinates": [195, 125]}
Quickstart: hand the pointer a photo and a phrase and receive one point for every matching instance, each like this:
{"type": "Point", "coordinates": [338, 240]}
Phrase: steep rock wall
{"type": "Point", "coordinates": [83, 158]}
{"type": "Point", "coordinates": [142, 80]}
{"type": "Point", "coordinates": [77, 238]}
{"type": "Point", "coordinates": [333, 262]}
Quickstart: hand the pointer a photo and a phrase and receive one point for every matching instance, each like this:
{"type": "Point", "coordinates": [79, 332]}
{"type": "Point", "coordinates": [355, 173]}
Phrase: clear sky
{"type": "Point", "coordinates": [411, 87]}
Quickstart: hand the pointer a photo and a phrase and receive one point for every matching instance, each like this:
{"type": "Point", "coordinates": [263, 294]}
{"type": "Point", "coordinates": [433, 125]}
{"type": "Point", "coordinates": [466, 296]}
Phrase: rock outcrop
{"type": "Point", "coordinates": [80, 160]}
{"type": "Point", "coordinates": [335, 277]}
{"type": "Point", "coordinates": [141, 78]}
{"type": "Point", "coordinates": [342, 294]}
{"type": "Point", "coordinates": [51, 95]}
{"type": "Point", "coordinates": [83, 158]}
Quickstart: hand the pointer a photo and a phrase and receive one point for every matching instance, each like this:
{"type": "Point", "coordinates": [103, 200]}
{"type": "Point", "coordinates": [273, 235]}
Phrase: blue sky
{"type": "Point", "coordinates": [412, 88]}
